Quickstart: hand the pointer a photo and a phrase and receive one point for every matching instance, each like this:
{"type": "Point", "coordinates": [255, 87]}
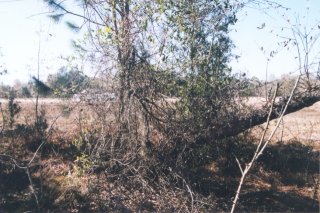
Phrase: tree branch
{"type": "Point", "coordinates": [238, 125]}
{"type": "Point", "coordinates": [58, 6]}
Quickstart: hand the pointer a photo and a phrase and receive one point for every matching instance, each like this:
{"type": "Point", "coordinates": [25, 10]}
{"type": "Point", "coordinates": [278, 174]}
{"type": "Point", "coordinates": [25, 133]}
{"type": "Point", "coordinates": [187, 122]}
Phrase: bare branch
{"type": "Point", "coordinates": [259, 150]}
{"type": "Point", "coordinates": [59, 6]}
{"type": "Point", "coordinates": [240, 167]}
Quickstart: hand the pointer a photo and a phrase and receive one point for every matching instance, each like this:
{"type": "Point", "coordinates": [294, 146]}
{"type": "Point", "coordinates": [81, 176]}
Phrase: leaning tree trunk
{"type": "Point", "coordinates": [238, 125]}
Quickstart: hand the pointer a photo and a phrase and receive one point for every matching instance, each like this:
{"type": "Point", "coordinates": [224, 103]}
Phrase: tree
{"type": "Point", "coordinates": [40, 87]}
{"type": "Point", "coordinates": [202, 49]}
{"type": "Point", "coordinates": [25, 92]}
{"type": "Point", "coordinates": [156, 48]}
{"type": "Point", "coordinates": [116, 32]}
{"type": "Point", "coordinates": [67, 82]}
{"type": "Point", "coordinates": [152, 48]}
{"type": "Point", "coordinates": [13, 107]}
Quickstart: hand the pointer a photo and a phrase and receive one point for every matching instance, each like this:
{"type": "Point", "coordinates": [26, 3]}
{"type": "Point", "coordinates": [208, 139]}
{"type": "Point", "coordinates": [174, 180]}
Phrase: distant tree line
{"type": "Point", "coordinates": [63, 84]}
{"type": "Point", "coordinates": [69, 81]}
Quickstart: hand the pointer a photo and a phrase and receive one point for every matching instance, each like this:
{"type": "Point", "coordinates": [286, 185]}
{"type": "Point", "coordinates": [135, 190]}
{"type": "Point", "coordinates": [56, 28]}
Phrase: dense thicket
{"type": "Point", "coordinates": [168, 114]}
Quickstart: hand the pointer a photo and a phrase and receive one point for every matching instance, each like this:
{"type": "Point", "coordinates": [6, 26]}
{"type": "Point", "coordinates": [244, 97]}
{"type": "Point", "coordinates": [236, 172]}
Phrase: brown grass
{"type": "Point", "coordinates": [303, 126]}
{"type": "Point", "coordinates": [62, 181]}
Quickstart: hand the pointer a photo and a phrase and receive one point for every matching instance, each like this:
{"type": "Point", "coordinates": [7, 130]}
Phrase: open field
{"type": "Point", "coordinates": [62, 115]}
{"type": "Point", "coordinates": [303, 126]}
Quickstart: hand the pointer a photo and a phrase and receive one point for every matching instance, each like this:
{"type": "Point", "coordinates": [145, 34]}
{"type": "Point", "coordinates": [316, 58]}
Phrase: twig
{"type": "Point", "coordinates": [191, 195]}
{"type": "Point", "coordinates": [32, 187]}
{"type": "Point", "coordinates": [268, 122]}
{"type": "Point", "coordinates": [36, 152]}
{"type": "Point", "coordinates": [59, 6]}
{"type": "Point", "coordinates": [26, 168]}
{"type": "Point", "coordinates": [239, 165]}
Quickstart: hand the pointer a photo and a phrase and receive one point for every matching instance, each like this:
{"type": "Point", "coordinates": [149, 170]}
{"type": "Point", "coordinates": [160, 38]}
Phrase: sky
{"type": "Point", "coordinates": [24, 23]}
{"type": "Point", "coordinates": [249, 39]}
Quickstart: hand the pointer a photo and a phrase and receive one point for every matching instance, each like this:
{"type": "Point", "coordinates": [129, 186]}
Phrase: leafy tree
{"type": "Point", "coordinates": [13, 107]}
{"type": "Point", "coordinates": [25, 92]}
{"type": "Point", "coordinates": [196, 47]}
{"type": "Point", "coordinates": [41, 88]}
{"type": "Point", "coordinates": [67, 82]}
{"type": "Point", "coordinates": [156, 47]}
{"type": "Point", "coordinates": [4, 91]}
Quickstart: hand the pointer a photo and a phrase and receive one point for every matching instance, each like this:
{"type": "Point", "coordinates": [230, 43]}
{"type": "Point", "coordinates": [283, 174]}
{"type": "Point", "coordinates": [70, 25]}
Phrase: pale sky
{"type": "Point", "coordinates": [249, 39]}
{"type": "Point", "coordinates": [22, 20]}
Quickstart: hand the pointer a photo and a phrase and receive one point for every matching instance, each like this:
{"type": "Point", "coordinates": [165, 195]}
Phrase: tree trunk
{"type": "Point", "coordinates": [238, 125]}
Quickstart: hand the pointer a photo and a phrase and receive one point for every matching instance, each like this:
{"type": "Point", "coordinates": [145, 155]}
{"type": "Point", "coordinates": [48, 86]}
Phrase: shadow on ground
{"type": "Point", "coordinates": [274, 201]}
{"type": "Point", "coordinates": [288, 164]}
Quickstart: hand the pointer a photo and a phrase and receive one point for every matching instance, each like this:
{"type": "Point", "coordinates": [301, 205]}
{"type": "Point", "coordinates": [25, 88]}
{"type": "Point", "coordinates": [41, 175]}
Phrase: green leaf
{"type": "Point", "coordinates": [108, 29]}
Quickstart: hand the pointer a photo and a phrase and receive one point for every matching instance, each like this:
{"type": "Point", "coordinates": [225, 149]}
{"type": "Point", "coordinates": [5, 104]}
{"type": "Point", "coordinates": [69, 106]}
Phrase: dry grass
{"type": "Point", "coordinates": [303, 126]}
{"type": "Point", "coordinates": [62, 115]}
{"type": "Point", "coordinates": [63, 183]}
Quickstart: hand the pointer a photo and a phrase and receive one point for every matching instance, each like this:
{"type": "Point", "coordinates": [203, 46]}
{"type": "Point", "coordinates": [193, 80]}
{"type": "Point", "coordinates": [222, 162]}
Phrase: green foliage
{"type": "Point", "coordinates": [82, 143]}
{"type": "Point", "coordinates": [73, 26]}
{"type": "Point", "coordinates": [56, 17]}
{"type": "Point", "coordinates": [201, 47]}
{"type": "Point", "coordinates": [83, 164]}
{"type": "Point", "coordinates": [13, 108]}
{"type": "Point", "coordinates": [250, 87]}
{"type": "Point", "coordinates": [41, 88]}
{"type": "Point", "coordinates": [67, 82]}
{"type": "Point", "coordinates": [25, 92]}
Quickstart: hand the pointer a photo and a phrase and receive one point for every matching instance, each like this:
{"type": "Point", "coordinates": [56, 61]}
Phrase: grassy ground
{"type": "Point", "coordinates": [286, 177]}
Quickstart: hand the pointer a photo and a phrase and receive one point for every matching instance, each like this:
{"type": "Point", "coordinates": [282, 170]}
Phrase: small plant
{"type": "Point", "coordinates": [78, 143]}
{"type": "Point", "coordinates": [41, 122]}
{"type": "Point", "coordinates": [83, 164]}
{"type": "Point", "coordinates": [65, 111]}
{"type": "Point", "coordinates": [13, 108]}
